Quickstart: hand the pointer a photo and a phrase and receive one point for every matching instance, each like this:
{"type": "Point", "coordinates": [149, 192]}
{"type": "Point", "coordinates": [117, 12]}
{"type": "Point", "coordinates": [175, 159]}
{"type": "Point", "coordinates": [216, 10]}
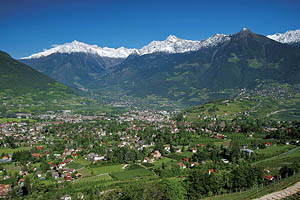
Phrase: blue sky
{"type": "Point", "coordinates": [29, 26]}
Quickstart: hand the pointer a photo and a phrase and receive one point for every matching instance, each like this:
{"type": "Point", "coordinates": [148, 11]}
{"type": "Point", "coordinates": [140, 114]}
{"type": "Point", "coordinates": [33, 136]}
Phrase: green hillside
{"type": "Point", "coordinates": [19, 78]}
{"type": "Point", "coordinates": [23, 89]}
{"type": "Point", "coordinates": [268, 100]}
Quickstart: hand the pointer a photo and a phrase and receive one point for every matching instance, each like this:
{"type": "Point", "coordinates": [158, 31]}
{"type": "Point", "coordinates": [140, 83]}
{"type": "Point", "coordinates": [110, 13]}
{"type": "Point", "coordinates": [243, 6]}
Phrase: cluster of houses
{"type": "Point", "coordinates": [36, 135]}
{"type": "Point", "coordinates": [186, 163]}
{"type": "Point", "coordinates": [146, 115]}
{"type": "Point", "coordinates": [22, 133]}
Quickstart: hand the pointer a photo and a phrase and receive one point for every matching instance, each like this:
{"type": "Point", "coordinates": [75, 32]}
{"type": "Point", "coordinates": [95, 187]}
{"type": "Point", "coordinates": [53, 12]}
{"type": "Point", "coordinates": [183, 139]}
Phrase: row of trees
{"type": "Point", "coordinates": [200, 183]}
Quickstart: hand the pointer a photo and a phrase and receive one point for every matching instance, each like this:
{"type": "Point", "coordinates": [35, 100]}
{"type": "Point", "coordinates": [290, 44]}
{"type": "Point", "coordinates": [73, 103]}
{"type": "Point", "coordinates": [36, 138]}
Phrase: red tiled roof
{"type": "Point", "coordinates": [268, 177]}
{"type": "Point", "coordinates": [36, 155]}
{"type": "Point", "coordinates": [4, 189]}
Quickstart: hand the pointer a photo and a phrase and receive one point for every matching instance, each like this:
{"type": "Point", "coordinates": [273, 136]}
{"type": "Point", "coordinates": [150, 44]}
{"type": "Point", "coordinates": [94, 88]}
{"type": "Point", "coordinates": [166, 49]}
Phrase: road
{"type": "Point", "coordinates": [288, 152]}
{"type": "Point", "coordinates": [273, 113]}
{"type": "Point", "coordinates": [283, 193]}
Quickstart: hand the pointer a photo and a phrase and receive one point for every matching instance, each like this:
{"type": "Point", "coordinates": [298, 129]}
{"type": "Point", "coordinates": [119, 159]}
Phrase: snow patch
{"type": "Point", "coordinates": [171, 44]}
{"type": "Point", "coordinates": [288, 37]}
{"type": "Point", "coordinates": [80, 47]}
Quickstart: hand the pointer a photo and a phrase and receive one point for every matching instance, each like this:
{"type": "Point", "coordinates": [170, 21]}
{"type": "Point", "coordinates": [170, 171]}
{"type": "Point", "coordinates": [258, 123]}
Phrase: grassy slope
{"type": "Point", "coordinates": [277, 107]}
{"type": "Point", "coordinates": [276, 162]}
{"type": "Point", "coordinates": [10, 151]}
{"type": "Point", "coordinates": [19, 77]}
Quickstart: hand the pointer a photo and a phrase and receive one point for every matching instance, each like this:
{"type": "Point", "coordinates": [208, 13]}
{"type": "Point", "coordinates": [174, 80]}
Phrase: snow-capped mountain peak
{"type": "Point", "coordinates": [80, 47]}
{"type": "Point", "coordinates": [172, 38]}
{"type": "Point", "coordinates": [214, 40]}
{"type": "Point", "coordinates": [288, 37]}
{"type": "Point", "coordinates": [173, 44]}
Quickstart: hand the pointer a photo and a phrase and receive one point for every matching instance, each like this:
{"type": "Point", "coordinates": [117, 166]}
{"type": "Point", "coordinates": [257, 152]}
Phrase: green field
{"type": "Point", "coordinates": [11, 168]}
{"type": "Point", "coordinates": [274, 150]}
{"type": "Point", "coordinates": [289, 115]}
{"type": "Point", "coordinates": [107, 169]}
{"type": "Point", "coordinates": [231, 108]}
{"type": "Point", "coordinates": [94, 179]}
{"type": "Point", "coordinates": [202, 139]}
{"type": "Point", "coordinates": [158, 163]}
{"type": "Point", "coordinates": [85, 172]}
{"type": "Point", "coordinates": [283, 108]}
{"type": "Point", "coordinates": [187, 154]}
{"type": "Point", "coordinates": [75, 165]}
{"type": "Point", "coordinates": [8, 120]}
{"type": "Point", "coordinates": [275, 163]}
{"type": "Point", "coordinates": [129, 174]}
{"type": "Point", "coordinates": [81, 161]}
{"type": "Point", "coordinates": [38, 164]}
{"type": "Point", "coordinates": [10, 151]}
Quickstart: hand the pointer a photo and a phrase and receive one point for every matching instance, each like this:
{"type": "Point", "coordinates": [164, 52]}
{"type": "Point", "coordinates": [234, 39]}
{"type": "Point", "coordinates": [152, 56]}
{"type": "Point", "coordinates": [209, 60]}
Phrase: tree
{"type": "Point", "coordinates": [195, 184]}
{"type": "Point", "coordinates": [163, 190]}
{"type": "Point", "coordinates": [130, 156]}
{"type": "Point", "coordinates": [163, 165]}
{"type": "Point", "coordinates": [16, 192]}
{"type": "Point", "coordinates": [286, 171]}
{"type": "Point", "coordinates": [48, 175]}
{"type": "Point", "coordinates": [171, 190]}
{"type": "Point", "coordinates": [44, 166]}
{"type": "Point", "coordinates": [27, 185]}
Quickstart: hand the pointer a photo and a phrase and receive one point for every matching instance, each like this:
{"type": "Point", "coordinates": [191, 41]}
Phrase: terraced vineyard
{"type": "Point", "coordinates": [274, 101]}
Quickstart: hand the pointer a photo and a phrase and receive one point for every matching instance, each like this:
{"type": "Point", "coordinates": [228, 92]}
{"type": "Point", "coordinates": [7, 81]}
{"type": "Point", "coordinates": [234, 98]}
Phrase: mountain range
{"type": "Point", "coordinates": [289, 37]}
{"type": "Point", "coordinates": [176, 68]}
{"type": "Point", "coordinates": [77, 64]}
{"type": "Point", "coordinates": [171, 44]}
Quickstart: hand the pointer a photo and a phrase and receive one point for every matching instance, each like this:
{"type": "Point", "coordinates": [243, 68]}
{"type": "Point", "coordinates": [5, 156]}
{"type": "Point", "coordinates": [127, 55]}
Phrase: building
{"type": "Point", "coordinates": [211, 171]}
{"type": "Point", "coordinates": [156, 154]}
{"type": "Point", "coordinates": [268, 144]}
{"type": "Point", "coordinates": [4, 189]}
{"type": "Point", "coordinates": [181, 165]}
{"type": "Point", "coordinates": [268, 177]}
